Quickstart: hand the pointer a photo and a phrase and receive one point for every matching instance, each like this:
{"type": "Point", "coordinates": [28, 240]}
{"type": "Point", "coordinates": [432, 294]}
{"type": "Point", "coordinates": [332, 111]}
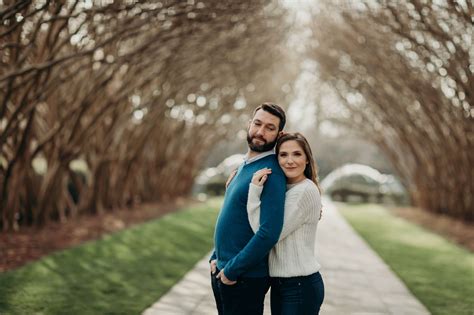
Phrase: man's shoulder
{"type": "Point", "coordinates": [271, 161]}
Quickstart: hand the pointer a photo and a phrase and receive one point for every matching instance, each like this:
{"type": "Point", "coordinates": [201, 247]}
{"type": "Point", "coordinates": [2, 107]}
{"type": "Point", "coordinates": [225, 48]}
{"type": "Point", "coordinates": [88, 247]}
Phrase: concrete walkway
{"type": "Point", "coordinates": [357, 281]}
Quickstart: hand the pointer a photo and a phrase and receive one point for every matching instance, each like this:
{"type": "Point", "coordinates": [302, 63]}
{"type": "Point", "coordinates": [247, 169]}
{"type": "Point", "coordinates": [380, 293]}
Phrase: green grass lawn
{"type": "Point", "coordinates": [438, 272]}
{"type": "Point", "coordinates": [122, 273]}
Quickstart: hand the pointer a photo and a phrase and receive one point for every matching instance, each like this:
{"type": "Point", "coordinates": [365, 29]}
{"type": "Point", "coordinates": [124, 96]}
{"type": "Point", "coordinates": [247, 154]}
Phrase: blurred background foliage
{"type": "Point", "coordinates": [108, 104]}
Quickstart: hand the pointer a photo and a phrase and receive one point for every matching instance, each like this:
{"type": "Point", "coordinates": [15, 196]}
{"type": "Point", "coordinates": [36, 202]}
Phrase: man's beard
{"type": "Point", "coordinates": [260, 148]}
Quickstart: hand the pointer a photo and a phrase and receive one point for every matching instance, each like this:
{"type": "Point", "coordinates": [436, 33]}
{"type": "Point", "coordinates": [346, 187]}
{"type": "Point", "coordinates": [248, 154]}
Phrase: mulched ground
{"type": "Point", "coordinates": [456, 231]}
{"type": "Point", "coordinates": [29, 244]}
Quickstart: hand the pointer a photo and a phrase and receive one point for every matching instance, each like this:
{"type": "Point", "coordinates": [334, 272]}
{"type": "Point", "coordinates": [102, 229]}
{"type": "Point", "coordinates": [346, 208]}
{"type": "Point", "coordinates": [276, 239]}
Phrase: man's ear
{"type": "Point", "coordinates": [281, 133]}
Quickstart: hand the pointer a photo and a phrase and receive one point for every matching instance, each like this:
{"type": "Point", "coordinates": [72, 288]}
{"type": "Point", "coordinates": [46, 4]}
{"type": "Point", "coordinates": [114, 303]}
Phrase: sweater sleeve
{"type": "Point", "coordinates": [271, 222]}
{"type": "Point", "coordinates": [253, 206]}
{"type": "Point", "coordinates": [298, 208]}
{"type": "Point", "coordinates": [213, 256]}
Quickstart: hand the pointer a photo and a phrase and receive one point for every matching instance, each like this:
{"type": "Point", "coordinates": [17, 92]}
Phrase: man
{"type": "Point", "coordinates": [239, 264]}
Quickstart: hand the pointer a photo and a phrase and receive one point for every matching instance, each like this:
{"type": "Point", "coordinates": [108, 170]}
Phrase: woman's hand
{"type": "Point", "coordinates": [260, 176]}
{"type": "Point", "coordinates": [231, 176]}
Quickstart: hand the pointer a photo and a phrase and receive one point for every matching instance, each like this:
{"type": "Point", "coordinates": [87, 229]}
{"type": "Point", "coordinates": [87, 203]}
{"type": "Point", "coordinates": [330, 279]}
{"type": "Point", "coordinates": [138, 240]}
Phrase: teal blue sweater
{"type": "Point", "coordinates": [237, 249]}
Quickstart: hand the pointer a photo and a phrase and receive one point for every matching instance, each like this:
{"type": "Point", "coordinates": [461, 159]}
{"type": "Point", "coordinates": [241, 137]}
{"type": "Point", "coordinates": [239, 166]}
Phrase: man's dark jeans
{"type": "Point", "coordinates": [246, 297]}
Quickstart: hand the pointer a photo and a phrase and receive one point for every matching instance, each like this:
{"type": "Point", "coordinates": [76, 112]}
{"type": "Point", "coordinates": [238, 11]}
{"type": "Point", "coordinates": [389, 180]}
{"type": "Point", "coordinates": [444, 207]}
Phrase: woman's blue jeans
{"type": "Point", "coordinates": [297, 295]}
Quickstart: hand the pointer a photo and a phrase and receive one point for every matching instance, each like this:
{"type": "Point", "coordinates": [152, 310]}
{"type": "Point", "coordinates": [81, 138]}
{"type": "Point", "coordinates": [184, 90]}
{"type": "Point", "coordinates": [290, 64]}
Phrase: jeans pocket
{"type": "Point", "coordinates": [235, 285]}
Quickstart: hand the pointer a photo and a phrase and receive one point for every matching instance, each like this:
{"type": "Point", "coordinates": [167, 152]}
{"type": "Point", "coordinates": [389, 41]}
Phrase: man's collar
{"type": "Point", "coordinates": [257, 157]}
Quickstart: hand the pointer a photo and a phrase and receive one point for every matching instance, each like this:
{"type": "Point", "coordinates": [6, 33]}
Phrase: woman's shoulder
{"type": "Point", "coordinates": [311, 196]}
{"type": "Point", "coordinates": [307, 184]}
{"type": "Point", "coordinates": [304, 194]}
{"type": "Point", "coordinates": [304, 187]}
{"type": "Point", "coordinates": [310, 189]}
{"type": "Point", "coordinates": [310, 185]}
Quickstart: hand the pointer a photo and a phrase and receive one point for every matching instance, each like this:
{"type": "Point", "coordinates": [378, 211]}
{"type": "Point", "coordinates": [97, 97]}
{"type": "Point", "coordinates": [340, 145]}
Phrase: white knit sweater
{"type": "Point", "coordinates": [294, 254]}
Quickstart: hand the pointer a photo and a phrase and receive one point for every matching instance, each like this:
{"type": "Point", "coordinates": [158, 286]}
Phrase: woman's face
{"type": "Point", "coordinates": [292, 160]}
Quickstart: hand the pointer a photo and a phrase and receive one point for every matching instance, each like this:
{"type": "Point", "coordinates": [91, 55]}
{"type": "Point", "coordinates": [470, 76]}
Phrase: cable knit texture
{"type": "Point", "coordinates": [294, 254]}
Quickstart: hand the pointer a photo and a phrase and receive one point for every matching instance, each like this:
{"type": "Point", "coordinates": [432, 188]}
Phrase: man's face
{"type": "Point", "coordinates": [263, 131]}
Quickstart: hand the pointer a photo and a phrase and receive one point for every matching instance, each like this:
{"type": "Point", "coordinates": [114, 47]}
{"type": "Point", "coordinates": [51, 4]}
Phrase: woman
{"type": "Point", "coordinates": [296, 284]}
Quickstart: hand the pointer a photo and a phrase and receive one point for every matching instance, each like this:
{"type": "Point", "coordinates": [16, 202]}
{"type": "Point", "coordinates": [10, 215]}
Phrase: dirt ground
{"type": "Point", "coordinates": [456, 231]}
{"type": "Point", "coordinates": [29, 244]}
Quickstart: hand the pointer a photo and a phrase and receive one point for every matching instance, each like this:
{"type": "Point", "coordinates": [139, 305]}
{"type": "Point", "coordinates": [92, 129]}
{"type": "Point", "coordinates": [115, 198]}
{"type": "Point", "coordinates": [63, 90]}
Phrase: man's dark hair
{"type": "Point", "coordinates": [275, 110]}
